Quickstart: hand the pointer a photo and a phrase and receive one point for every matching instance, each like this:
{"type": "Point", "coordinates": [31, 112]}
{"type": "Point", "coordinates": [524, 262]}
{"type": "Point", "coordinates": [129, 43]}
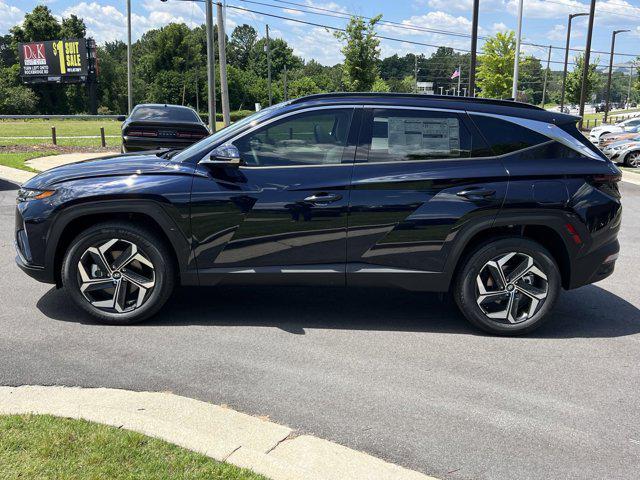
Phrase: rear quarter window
{"type": "Point", "coordinates": [505, 137]}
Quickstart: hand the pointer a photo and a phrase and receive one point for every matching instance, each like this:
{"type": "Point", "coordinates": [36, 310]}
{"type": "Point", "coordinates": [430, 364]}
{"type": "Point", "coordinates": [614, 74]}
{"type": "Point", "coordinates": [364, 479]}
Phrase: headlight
{"type": "Point", "coordinates": [26, 194]}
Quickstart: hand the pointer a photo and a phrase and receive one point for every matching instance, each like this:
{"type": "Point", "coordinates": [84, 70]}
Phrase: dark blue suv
{"type": "Point", "coordinates": [500, 203]}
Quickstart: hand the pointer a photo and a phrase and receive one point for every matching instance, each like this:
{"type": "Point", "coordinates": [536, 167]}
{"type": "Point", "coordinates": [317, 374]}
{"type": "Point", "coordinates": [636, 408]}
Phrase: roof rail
{"type": "Point", "coordinates": [449, 98]}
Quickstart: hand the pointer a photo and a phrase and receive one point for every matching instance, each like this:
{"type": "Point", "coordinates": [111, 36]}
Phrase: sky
{"type": "Point", "coordinates": [433, 22]}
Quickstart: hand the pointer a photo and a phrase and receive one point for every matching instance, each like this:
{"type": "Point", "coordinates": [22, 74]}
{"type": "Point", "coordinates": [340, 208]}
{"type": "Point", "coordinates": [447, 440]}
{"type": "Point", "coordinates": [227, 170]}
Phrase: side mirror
{"type": "Point", "coordinates": [226, 154]}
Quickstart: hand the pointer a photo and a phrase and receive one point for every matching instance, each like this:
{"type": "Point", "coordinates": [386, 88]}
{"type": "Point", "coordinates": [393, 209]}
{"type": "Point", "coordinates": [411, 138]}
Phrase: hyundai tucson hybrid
{"type": "Point", "coordinates": [153, 126]}
{"type": "Point", "coordinates": [501, 204]}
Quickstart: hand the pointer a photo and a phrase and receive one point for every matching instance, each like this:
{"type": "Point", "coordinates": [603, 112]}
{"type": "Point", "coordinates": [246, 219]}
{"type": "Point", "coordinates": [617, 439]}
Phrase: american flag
{"type": "Point", "coordinates": [456, 74]}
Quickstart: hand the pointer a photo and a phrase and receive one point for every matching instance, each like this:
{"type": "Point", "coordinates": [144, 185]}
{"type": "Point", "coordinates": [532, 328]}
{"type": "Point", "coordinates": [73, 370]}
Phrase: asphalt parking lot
{"type": "Point", "coordinates": [399, 375]}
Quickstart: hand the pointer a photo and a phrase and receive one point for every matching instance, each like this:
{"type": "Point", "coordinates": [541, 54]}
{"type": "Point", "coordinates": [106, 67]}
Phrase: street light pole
{"type": "Point", "coordinates": [516, 61]}
{"type": "Point", "coordinates": [566, 56]}
{"type": "Point", "coordinates": [211, 67]}
{"type": "Point", "coordinates": [613, 46]}
{"type": "Point", "coordinates": [546, 75]}
{"type": "Point", "coordinates": [268, 47]}
{"type": "Point", "coordinates": [474, 48]}
{"type": "Point", "coordinates": [224, 89]}
{"type": "Point", "coordinates": [585, 63]}
{"type": "Point", "coordinates": [129, 62]}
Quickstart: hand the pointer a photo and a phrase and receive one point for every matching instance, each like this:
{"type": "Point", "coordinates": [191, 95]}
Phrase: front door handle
{"type": "Point", "coordinates": [323, 198]}
{"type": "Point", "coordinates": [477, 193]}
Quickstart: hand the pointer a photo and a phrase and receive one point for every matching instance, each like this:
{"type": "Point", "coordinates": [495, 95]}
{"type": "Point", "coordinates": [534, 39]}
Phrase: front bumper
{"type": "Point", "coordinates": [36, 272]}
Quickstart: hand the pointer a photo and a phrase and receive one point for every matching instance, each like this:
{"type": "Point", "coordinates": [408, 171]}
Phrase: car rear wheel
{"type": "Point", "coordinates": [118, 272]}
{"type": "Point", "coordinates": [508, 286]}
{"type": "Point", "coordinates": [632, 160]}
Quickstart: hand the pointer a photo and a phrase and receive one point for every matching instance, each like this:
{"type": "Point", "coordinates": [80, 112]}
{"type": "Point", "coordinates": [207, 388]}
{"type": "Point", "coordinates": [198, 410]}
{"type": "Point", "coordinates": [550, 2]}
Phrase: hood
{"type": "Point", "coordinates": [119, 165]}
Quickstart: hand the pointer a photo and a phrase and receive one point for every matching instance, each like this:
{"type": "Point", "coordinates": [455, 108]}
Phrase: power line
{"type": "Point", "coordinates": [411, 26]}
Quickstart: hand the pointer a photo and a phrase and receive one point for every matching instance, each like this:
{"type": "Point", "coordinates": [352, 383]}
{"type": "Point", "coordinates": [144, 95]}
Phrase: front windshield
{"type": "Point", "coordinates": [206, 144]}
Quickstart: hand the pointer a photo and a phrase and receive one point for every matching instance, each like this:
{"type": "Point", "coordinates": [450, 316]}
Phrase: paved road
{"type": "Point", "coordinates": [396, 374]}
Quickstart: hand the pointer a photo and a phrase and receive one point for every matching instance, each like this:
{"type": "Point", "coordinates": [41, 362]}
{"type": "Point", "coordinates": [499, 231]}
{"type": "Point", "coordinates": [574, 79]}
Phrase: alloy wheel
{"type": "Point", "coordinates": [116, 276]}
{"type": "Point", "coordinates": [633, 159]}
{"type": "Point", "coordinates": [511, 288]}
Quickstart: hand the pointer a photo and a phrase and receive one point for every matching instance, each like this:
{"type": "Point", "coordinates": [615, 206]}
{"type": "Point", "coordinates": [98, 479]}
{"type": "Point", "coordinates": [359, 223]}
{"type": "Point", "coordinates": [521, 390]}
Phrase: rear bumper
{"type": "Point", "coordinates": [136, 144]}
{"type": "Point", "coordinates": [595, 266]}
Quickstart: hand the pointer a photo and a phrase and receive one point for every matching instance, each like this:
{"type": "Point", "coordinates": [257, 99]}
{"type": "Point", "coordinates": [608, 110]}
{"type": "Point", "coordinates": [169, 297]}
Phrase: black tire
{"type": "Point", "coordinates": [632, 160]}
{"type": "Point", "coordinates": [466, 291]}
{"type": "Point", "coordinates": [152, 248]}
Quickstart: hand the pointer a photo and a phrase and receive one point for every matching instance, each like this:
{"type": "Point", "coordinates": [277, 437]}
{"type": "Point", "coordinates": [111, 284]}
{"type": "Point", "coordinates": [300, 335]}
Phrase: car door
{"type": "Point", "coordinates": [281, 216]}
{"type": "Point", "coordinates": [421, 176]}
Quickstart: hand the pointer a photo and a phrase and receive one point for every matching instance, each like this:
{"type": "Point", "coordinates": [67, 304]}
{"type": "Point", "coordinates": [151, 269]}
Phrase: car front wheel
{"type": "Point", "coordinates": [508, 286]}
{"type": "Point", "coordinates": [118, 272]}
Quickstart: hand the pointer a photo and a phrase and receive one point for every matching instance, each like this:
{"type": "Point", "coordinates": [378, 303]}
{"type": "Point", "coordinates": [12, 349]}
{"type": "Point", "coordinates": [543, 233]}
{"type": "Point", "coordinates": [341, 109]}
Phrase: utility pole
{"type": "Point", "coordinates": [211, 67]}
{"type": "Point", "coordinates": [474, 48]}
{"type": "Point", "coordinates": [613, 46]}
{"type": "Point", "coordinates": [415, 73]}
{"type": "Point", "coordinates": [585, 64]}
{"type": "Point", "coordinates": [129, 62]}
{"type": "Point", "coordinates": [546, 75]}
{"type": "Point", "coordinates": [629, 89]}
{"type": "Point", "coordinates": [284, 84]}
{"type": "Point", "coordinates": [269, 66]}
{"type": "Point", "coordinates": [459, 78]}
{"type": "Point", "coordinates": [516, 61]}
{"type": "Point", "coordinates": [566, 56]}
{"type": "Point", "coordinates": [224, 89]}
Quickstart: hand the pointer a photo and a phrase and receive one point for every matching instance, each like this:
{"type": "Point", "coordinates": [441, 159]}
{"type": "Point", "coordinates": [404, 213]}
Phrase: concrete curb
{"type": "Point", "coordinates": [45, 163]}
{"type": "Point", "coordinates": [631, 177]}
{"type": "Point", "coordinates": [15, 175]}
{"type": "Point", "coordinates": [265, 447]}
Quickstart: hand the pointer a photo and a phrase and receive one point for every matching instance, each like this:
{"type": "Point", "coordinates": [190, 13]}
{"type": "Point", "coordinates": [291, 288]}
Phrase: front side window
{"type": "Point", "coordinates": [409, 135]}
{"type": "Point", "coordinates": [311, 138]}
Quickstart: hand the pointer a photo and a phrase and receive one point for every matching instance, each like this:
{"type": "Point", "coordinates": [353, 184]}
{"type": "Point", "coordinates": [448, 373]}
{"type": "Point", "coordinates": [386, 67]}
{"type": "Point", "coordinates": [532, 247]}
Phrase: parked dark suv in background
{"type": "Point", "coordinates": [500, 203]}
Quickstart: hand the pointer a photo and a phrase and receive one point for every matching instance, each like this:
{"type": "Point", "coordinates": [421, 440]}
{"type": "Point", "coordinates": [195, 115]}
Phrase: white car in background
{"type": "Point", "coordinates": [624, 126]}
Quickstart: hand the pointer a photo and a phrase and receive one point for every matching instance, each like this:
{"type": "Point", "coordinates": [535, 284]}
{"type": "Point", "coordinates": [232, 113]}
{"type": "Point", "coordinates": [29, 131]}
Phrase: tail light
{"type": "Point", "coordinates": [607, 183]}
{"type": "Point", "coordinates": [194, 135]}
{"type": "Point", "coordinates": [142, 133]}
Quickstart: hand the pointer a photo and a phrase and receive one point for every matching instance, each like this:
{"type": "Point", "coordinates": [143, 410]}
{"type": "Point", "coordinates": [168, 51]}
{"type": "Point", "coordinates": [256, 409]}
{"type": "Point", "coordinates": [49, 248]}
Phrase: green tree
{"type": "Point", "coordinates": [15, 99]}
{"type": "Point", "coordinates": [574, 80]}
{"type": "Point", "coordinates": [39, 24]}
{"type": "Point", "coordinates": [380, 86]}
{"type": "Point", "coordinates": [495, 71]}
{"type": "Point", "coordinates": [72, 27]}
{"type": "Point", "coordinates": [302, 86]}
{"type": "Point", "coordinates": [361, 53]}
{"type": "Point", "coordinates": [240, 46]}
{"type": "Point", "coordinates": [530, 80]}
{"type": "Point", "coordinates": [281, 55]}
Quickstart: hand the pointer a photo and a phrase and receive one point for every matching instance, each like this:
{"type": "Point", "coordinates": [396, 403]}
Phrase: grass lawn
{"type": "Point", "coordinates": [599, 116]}
{"type": "Point", "coordinates": [43, 447]}
{"type": "Point", "coordinates": [13, 132]}
{"type": "Point", "coordinates": [16, 160]}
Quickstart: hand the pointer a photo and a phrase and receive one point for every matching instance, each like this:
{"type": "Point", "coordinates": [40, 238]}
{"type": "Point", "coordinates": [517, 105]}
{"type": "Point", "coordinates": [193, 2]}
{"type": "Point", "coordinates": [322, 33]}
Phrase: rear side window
{"type": "Point", "coordinates": [506, 137]}
{"type": "Point", "coordinates": [408, 135]}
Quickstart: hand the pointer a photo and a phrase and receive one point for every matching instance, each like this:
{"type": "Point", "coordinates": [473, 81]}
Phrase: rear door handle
{"type": "Point", "coordinates": [477, 193]}
{"type": "Point", "coordinates": [319, 198]}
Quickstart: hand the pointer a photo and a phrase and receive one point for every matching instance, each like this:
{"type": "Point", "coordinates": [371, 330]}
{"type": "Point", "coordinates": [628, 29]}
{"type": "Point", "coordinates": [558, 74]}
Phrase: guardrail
{"type": "Point", "coordinates": [64, 117]}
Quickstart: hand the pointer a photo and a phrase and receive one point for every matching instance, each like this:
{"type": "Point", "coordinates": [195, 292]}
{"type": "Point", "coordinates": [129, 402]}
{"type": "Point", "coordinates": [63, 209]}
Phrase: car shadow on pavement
{"type": "Point", "coordinates": [587, 312]}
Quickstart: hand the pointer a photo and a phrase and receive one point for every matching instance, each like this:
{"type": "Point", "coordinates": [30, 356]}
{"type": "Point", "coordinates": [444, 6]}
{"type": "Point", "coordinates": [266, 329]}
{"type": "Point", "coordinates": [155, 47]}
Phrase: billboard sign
{"type": "Point", "coordinates": [54, 60]}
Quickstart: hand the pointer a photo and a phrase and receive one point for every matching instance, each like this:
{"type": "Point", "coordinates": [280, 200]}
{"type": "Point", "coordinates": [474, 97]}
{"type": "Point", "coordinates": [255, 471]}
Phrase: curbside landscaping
{"type": "Point", "coordinates": [221, 433]}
